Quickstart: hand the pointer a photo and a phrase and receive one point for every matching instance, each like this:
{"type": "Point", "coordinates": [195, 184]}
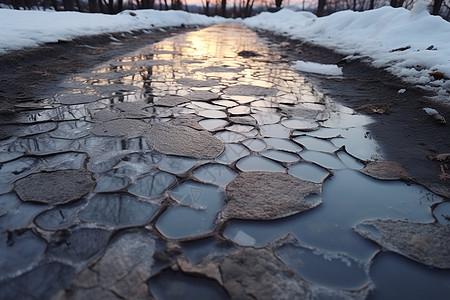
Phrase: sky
{"type": "Point", "coordinates": [371, 35]}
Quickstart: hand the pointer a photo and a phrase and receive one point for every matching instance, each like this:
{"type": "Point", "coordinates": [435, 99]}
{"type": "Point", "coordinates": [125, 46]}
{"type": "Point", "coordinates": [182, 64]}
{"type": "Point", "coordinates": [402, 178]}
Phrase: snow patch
{"type": "Point", "coordinates": [312, 67]}
{"type": "Point", "coordinates": [374, 34]}
{"type": "Point", "coordinates": [31, 28]}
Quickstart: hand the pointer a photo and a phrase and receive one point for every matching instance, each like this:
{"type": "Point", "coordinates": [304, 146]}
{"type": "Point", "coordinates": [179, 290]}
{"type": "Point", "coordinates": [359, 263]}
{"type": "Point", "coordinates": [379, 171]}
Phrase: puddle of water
{"type": "Point", "coordinates": [202, 204]}
{"type": "Point", "coordinates": [256, 145]}
{"type": "Point", "coordinates": [111, 183]}
{"type": "Point", "coordinates": [176, 164]}
{"type": "Point", "coordinates": [251, 133]}
{"type": "Point", "coordinates": [135, 164]}
{"type": "Point", "coordinates": [215, 173]}
{"type": "Point", "coordinates": [348, 198]}
{"type": "Point", "coordinates": [345, 120]}
{"type": "Point", "coordinates": [20, 214]}
{"type": "Point", "coordinates": [396, 277]}
{"type": "Point", "coordinates": [225, 103]}
{"type": "Point", "coordinates": [255, 233]}
{"type": "Point", "coordinates": [243, 99]}
{"type": "Point", "coordinates": [213, 114]}
{"type": "Point", "coordinates": [350, 161]}
{"type": "Point", "coordinates": [266, 118]}
{"type": "Point", "coordinates": [274, 131]}
{"type": "Point", "coordinates": [300, 124]}
{"type": "Point", "coordinates": [281, 156]}
{"type": "Point", "coordinates": [307, 171]}
{"type": "Point", "coordinates": [176, 285]}
{"type": "Point", "coordinates": [240, 128]}
{"type": "Point", "coordinates": [19, 252]}
{"type": "Point", "coordinates": [179, 222]}
{"type": "Point", "coordinates": [357, 142]}
{"type": "Point", "coordinates": [258, 163]}
{"type": "Point", "coordinates": [206, 105]}
{"type": "Point", "coordinates": [40, 145]}
{"type": "Point", "coordinates": [239, 110]}
{"type": "Point", "coordinates": [60, 217]}
{"type": "Point", "coordinates": [331, 270]}
{"type": "Point", "coordinates": [118, 210]}
{"type": "Point", "coordinates": [199, 195]}
{"type": "Point", "coordinates": [64, 161]}
{"type": "Point", "coordinates": [283, 144]}
{"type": "Point", "coordinates": [315, 144]}
{"type": "Point", "coordinates": [23, 131]}
{"type": "Point", "coordinates": [323, 133]}
{"type": "Point", "coordinates": [442, 213]}
{"type": "Point", "coordinates": [325, 160]}
{"type": "Point", "coordinates": [232, 153]}
{"type": "Point", "coordinates": [64, 113]}
{"type": "Point", "coordinates": [42, 282]}
{"type": "Point", "coordinates": [80, 246]}
{"type": "Point", "coordinates": [9, 156]}
{"type": "Point", "coordinates": [213, 124]}
{"type": "Point", "coordinates": [201, 73]}
{"type": "Point", "coordinates": [153, 185]}
{"type": "Point", "coordinates": [227, 136]}
{"type": "Point", "coordinates": [16, 169]}
{"type": "Point", "coordinates": [312, 106]}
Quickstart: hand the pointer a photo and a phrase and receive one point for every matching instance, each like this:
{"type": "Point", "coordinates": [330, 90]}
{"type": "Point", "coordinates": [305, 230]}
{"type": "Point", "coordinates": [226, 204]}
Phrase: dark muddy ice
{"type": "Point", "coordinates": [197, 163]}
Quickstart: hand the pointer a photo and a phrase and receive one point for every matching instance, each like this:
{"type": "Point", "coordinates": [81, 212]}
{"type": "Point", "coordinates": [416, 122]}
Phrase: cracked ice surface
{"type": "Point", "coordinates": [221, 172]}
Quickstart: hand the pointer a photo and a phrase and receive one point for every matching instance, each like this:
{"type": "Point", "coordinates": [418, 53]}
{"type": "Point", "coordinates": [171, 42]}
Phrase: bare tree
{"type": "Point", "coordinates": [397, 3]}
{"type": "Point", "coordinates": [437, 4]}
{"type": "Point", "coordinates": [321, 8]}
{"type": "Point", "coordinates": [176, 4]}
{"type": "Point", "coordinates": [248, 8]}
{"type": "Point", "coordinates": [68, 4]}
{"type": "Point", "coordinates": [224, 8]}
{"type": "Point", "coordinates": [206, 7]}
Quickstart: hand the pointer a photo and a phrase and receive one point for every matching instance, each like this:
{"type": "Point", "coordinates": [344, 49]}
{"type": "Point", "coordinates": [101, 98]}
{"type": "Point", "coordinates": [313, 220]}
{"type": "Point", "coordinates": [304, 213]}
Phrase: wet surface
{"type": "Point", "coordinates": [187, 169]}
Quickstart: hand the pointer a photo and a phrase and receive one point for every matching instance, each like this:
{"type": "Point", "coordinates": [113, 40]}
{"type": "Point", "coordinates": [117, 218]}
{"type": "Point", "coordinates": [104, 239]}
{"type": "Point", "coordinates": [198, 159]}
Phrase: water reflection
{"type": "Point", "coordinates": [348, 198]}
{"type": "Point", "coordinates": [268, 117]}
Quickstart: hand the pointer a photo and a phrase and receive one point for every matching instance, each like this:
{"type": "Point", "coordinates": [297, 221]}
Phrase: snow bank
{"type": "Point", "coordinates": [409, 44]}
{"type": "Point", "coordinates": [21, 29]}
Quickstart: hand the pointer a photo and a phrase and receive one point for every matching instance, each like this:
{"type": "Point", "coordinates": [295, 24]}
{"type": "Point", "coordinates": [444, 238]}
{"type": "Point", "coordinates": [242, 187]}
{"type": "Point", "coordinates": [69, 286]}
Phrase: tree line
{"type": "Point", "coordinates": [238, 8]}
{"type": "Point", "coordinates": [325, 7]}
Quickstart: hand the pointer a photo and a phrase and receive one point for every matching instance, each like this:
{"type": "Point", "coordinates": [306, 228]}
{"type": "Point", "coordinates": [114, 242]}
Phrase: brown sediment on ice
{"type": "Point", "coordinates": [386, 170]}
{"type": "Point", "coordinates": [56, 187]}
{"type": "Point", "coordinates": [267, 196]}
{"type": "Point", "coordinates": [426, 243]}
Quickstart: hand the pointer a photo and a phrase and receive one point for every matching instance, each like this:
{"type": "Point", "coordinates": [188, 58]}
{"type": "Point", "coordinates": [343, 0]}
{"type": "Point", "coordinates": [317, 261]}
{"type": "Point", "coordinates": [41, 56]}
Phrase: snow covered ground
{"type": "Point", "coordinates": [410, 44]}
{"type": "Point", "coordinates": [21, 29]}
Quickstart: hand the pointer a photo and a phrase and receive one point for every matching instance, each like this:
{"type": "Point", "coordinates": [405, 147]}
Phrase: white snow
{"type": "Point", "coordinates": [430, 111]}
{"type": "Point", "coordinates": [372, 35]}
{"type": "Point", "coordinates": [409, 44]}
{"type": "Point", "coordinates": [312, 67]}
{"type": "Point", "coordinates": [29, 28]}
